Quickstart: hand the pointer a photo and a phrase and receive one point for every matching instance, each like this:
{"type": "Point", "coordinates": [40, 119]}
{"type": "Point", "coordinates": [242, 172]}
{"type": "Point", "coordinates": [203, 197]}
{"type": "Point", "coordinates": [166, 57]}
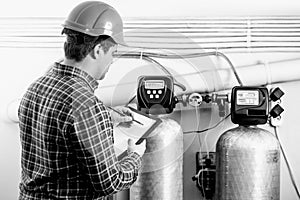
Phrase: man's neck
{"type": "Point", "coordinates": [83, 65]}
{"type": "Point", "coordinates": [72, 63]}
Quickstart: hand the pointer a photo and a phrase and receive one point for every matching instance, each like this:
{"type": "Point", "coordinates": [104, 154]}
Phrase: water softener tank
{"type": "Point", "coordinates": [248, 165]}
{"type": "Point", "coordinates": [161, 174]}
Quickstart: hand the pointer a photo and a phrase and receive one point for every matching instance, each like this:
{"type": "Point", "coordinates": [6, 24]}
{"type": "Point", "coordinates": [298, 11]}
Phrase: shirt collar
{"type": "Point", "coordinates": [67, 70]}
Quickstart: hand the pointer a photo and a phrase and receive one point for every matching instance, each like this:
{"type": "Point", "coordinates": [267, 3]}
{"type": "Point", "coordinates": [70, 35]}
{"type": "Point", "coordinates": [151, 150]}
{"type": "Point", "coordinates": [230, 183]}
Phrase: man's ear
{"type": "Point", "coordinates": [97, 51]}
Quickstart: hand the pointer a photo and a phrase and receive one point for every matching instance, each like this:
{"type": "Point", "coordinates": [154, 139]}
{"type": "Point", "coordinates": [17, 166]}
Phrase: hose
{"type": "Point", "coordinates": [194, 55]}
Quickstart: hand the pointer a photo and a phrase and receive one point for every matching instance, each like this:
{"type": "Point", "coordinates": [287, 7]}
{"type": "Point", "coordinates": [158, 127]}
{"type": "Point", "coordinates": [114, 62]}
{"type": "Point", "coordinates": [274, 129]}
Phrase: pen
{"type": "Point", "coordinates": [122, 114]}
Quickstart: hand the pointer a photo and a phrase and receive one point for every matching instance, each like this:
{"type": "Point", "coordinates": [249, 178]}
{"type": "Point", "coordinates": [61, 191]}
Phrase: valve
{"type": "Point", "coordinates": [221, 100]}
{"type": "Point", "coordinates": [195, 99]}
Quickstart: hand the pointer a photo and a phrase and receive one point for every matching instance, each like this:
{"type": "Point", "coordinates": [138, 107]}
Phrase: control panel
{"type": "Point", "coordinates": [249, 105]}
{"type": "Point", "coordinates": [155, 94]}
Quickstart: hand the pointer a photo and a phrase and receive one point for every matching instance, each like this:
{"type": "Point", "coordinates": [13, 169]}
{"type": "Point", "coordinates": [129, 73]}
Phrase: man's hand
{"type": "Point", "coordinates": [121, 116]}
{"type": "Point", "coordinates": [139, 149]}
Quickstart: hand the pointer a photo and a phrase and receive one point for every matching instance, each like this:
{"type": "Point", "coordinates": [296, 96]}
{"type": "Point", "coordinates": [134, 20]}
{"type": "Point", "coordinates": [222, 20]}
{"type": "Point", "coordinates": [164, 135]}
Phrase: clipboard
{"type": "Point", "coordinates": [136, 132]}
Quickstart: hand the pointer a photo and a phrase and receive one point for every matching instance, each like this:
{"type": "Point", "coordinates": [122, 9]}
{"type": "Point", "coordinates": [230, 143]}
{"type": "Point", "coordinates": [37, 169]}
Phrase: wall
{"type": "Point", "coordinates": [208, 116]}
{"type": "Point", "coordinates": [22, 65]}
{"type": "Point", "coordinates": [19, 68]}
{"type": "Point", "coordinates": [157, 8]}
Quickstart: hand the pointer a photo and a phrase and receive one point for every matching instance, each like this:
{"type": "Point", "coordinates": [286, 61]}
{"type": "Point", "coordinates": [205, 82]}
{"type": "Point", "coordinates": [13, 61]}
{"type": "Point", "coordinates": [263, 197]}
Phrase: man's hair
{"type": "Point", "coordinates": [78, 45]}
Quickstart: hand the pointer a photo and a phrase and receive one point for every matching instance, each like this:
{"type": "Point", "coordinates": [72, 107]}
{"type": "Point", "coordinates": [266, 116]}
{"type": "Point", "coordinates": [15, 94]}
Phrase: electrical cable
{"type": "Point", "coordinates": [200, 150]}
{"type": "Point", "coordinates": [287, 164]}
{"type": "Point", "coordinates": [166, 71]}
{"type": "Point", "coordinates": [217, 124]}
{"type": "Point", "coordinates": [198, 125]}
{"type": "Point", "coordinates": [207, 129]}
{"type": "Point", "coordinates": [231, 65]}
{"type": "Point", "coordinates": [147, 57]}
{"type": "Point", "coordinates": [193, 55]}
{"type": "Point", "coordinates": [151, 60]}
{"type": "Point", "coordinates": [206, 144]}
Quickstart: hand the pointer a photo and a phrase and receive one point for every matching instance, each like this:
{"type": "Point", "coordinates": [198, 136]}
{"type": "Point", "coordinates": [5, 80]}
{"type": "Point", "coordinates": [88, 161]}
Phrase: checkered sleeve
{"type": "Point", "coordinates": [93, 143]}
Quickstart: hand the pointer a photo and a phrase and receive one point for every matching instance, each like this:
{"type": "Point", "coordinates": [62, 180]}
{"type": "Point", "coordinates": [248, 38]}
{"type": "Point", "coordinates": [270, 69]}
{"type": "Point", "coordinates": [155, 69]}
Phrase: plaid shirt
{"type": "Point", "coordinates": [67, 140]}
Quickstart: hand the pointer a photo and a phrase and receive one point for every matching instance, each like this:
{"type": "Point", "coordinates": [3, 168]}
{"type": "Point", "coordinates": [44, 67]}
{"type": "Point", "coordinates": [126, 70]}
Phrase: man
{"type": "Point", "coordinates": [66, 131]}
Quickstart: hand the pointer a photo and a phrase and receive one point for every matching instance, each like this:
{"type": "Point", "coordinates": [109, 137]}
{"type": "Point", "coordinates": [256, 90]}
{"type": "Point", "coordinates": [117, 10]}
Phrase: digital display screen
{"type": "Point", "coordinates": [154, 84]}
{"type": "Point", "coordinates": [247, 97]}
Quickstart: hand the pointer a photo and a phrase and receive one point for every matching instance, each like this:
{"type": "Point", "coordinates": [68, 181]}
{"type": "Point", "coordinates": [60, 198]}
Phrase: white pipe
{"type": "Point", "coordinates": [257, 75]}
{"type": "Point", "coordinates": [214, 80]}
{"type": "Point", "coordinates": [12, 110]}
{"type": "Point", "coordinates": [205, 82]}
